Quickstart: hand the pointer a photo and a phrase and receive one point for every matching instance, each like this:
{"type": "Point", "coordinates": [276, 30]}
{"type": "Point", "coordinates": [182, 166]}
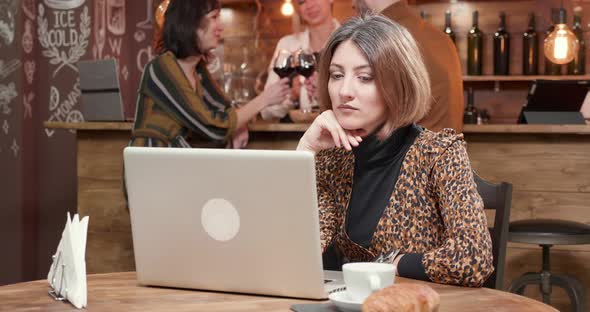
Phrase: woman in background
{"type": "Point", "coordinates": [177, 95]}
{"type": "Point", "coordinates": [389, 190]}
{"type": "Point", "coordinates": [317, 15]}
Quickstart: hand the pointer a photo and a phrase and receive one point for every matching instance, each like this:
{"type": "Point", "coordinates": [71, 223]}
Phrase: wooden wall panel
{"type": "Point", "coordinates": [100, 196]}
{"type": "Point", "coordinates": [551, 179]}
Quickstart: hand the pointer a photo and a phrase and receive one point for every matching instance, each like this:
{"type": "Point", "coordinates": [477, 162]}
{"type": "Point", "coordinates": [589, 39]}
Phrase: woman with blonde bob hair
{"type": "Point", "coordinates": [390, 190]}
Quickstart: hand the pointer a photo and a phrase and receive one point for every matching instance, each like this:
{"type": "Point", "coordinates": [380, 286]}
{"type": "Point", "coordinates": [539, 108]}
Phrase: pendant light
{"type": "Point", "coordinates": [561, 46]}
{"type": "Point", "coordinates": [287, 8]}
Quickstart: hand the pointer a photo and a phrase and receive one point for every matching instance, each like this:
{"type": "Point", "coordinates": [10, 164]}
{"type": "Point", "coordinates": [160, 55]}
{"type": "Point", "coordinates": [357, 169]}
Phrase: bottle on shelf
{"type": "Point", "coordinates": [502, 48]}
{"type": "Point", "coordinates": [530, 49]}
{"type": "Point", "coordinates": [550, 67]}
{"type": "Point", "coordinates": [448, 27]}
{"type": "Point", "coordinates": [470, 114]}
{"type": "Point", "coordinates": [475, 48]}
{"type": "Point", "coordinates": [578, 65]}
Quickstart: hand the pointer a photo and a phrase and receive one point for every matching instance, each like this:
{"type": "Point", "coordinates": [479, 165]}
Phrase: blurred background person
{"type": "Point", "coordinates": [178, 96]}
{"type": "Point", "coordinates": [441, 59]}
{"type": "Point", "coordinates": [319, 22]}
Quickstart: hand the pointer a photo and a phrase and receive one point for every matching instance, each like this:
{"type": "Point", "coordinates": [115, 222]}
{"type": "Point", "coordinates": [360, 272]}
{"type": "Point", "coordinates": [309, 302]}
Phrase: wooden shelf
{"type": "Point", "coordinates": [492, 78]}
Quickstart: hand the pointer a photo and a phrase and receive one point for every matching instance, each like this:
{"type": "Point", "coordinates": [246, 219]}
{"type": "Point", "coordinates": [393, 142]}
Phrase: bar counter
{"type": "Point", "coordinates": [548, 165]}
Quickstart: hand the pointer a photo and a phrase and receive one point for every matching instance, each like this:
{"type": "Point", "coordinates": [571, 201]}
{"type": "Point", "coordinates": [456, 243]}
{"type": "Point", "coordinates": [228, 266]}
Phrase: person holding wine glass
{"type": "Point", "coordinates": [177, 95]}
{"type": "Point", "coordinates": [388, 189]}
{"type": "Point", "coordinates": [317, 16]}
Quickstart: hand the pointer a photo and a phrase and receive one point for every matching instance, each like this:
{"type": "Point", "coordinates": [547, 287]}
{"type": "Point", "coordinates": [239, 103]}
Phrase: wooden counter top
{"type": "Point", "coordinates": [284, 127]}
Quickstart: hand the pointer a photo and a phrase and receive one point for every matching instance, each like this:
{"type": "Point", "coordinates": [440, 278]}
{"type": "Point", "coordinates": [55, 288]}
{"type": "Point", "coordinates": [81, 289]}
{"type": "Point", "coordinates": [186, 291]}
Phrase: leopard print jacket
{"type": "Point", "coordinates": [434, 210]}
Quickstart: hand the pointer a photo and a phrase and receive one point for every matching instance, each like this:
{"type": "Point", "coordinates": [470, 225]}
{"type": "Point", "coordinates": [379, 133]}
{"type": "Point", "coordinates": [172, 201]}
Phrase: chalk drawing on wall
{"type": "Point", "coordinates": [7, 68]}
{"type": "Point", "coordinates": [63, 45]}
{"type": "Point", "coordinates": [15, 148]}
{"type": "Point", "coordinates": [116, 16]}
{"type": "Point", "coordinates": [29, 71]}
{"type": "Point", "coordinates": [63, 4]}
{"type": "Point", "coordinates": [5, 126]}
{"type": "Point", "coordinates": [125, 72]}
{"type": "Point", "coordinates": [61, 110]}
{"type": "Point", "coordinates": [53, 98]}
{"type": "Point", "coordinates": [139, 36]}
{"type": "Point", "coordinates": [100, 28]}
{"type": "Point", "coordinates": [75, 116]}
{"type": "Point", "coordinates": [29, 8]}
{"type": "Point", "coordinates": [7, 17]}
{"type": "Point", "coordinates": [115, 45]}
{"type": "Point", "coordinates": [149, 16]}
{"type": "Point", "coordinates": [144, 55]}
{"type": "Point", "coordinates": [7, 94]}
{"type": "Point", "coordinates": [28, 37]}
{"type": "Point", "coordinates": [28, 107]}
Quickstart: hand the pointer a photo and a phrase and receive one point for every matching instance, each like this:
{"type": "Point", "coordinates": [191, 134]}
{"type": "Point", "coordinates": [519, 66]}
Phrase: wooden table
{"type": "Point", "coordinates": [119, 292]}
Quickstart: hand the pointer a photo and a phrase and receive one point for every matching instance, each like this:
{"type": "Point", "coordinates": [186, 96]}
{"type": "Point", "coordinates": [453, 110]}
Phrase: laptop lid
{"type": "Point", "coordinates": [225, 220]}
{"type": "Point", "coordinates": [555, 102]}
{"type": "Point", "coordinates": [101, 96]}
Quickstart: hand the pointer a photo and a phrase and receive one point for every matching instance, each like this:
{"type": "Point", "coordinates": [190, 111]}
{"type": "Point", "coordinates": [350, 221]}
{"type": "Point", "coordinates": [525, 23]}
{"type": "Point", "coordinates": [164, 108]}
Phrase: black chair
{"type": "Point", "coordinates": [496, 197]}
{"type": "Point", "coordinates": [546, 233]}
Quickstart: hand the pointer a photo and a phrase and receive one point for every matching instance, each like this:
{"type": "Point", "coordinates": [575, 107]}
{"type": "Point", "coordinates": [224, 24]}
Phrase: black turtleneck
{"type": "Point", "coordinates": [376, 170]}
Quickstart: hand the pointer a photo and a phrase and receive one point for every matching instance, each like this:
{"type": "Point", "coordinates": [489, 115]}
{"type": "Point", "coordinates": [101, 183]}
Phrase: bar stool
{"type": "Point", "coordinates": [546, 233]}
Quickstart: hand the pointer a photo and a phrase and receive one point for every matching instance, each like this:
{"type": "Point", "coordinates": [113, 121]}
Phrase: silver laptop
{"type": "Point", "coordinates": [226, 220]}
{"type": "Point", "coordinates": [101, 96]}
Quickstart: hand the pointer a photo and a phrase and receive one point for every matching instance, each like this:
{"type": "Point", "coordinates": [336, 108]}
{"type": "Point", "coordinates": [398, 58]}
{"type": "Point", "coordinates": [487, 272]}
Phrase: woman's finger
{"type": "Point", "coordinates": [331, 119]}
{"type": "Point", "coordinates": [335, 136]}
{"type": "Point", "coordinates": [352, 139]}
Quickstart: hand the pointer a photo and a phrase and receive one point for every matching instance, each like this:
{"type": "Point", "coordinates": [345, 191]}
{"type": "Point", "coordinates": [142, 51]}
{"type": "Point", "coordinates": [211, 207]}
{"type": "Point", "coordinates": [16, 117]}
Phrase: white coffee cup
{"type": "Point", "coordinates": [365, 278]}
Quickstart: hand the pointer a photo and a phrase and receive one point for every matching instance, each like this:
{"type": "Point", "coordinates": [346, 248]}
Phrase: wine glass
{"type": "Point", "coordinates": [283, 64]}
{"type": "Point", "coordinates": [305, 63]}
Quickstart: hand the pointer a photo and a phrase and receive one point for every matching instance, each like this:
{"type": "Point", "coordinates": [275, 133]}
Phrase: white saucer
{"type": "Point", "coordinates": [343, 302]}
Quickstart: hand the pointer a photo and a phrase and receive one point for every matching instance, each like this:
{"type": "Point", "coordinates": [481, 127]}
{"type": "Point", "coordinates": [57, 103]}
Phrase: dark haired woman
{"type": "Point", "coordinates": [177, 95]}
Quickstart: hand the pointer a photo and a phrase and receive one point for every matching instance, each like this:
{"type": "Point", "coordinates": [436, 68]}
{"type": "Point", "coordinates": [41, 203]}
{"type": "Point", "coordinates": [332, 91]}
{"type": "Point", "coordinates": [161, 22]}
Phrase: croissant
{"type": "Point", "coordinates": [404, 297]}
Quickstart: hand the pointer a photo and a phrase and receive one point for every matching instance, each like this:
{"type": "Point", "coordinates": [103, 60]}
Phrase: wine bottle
{"type": "Point", "coordinates": [448, 28]}
{"type": "Point", "coordinates": [470, 113]}
{"type": "Point", "coordinates": [475, 48]}
{"type": "Point", "coordinates": [502, 48]}
{"type": "Point", "coordinates": [530, 49]}
{"type": "Point", "coordinates": [578, 65]}
{"type": "Point", "coordinates": [550, 67]}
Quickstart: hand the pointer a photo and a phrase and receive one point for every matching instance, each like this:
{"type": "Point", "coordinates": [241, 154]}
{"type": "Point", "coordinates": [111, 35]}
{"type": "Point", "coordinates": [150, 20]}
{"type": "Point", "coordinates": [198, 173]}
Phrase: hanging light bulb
{"type": "Point", "coordinates": [287, 8]}
{"type": "Point", "coordinates": [160, 11]}
{"type": "Point", "coordinates": [561, 46]}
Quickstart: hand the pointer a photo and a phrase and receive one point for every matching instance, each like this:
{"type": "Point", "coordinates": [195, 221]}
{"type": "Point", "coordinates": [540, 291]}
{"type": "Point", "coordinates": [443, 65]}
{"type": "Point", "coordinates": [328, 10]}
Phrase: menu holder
{"type": "Point", "coordinates": [67, 274]}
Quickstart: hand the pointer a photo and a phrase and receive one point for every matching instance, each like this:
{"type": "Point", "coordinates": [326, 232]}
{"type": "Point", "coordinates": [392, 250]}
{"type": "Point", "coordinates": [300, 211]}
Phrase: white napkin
{"type": "Point", "coordinates": [67, 275]}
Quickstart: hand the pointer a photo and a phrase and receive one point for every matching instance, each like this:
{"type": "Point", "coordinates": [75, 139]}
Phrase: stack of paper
{"type": "Point", "coordinates": [67, 275]}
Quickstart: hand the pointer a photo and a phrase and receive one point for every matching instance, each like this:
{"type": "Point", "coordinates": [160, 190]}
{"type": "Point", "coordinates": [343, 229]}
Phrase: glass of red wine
{"type": "Point", "coordinates": [283, 64]}
{"type": "Point", "coordinates": [305, 65]}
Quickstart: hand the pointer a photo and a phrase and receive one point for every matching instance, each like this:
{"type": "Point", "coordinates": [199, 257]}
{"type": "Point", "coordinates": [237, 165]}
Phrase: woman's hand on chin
{"type": "Point", "coordinates": [325, 132]}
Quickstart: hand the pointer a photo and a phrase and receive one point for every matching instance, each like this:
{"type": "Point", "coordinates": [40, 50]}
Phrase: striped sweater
{"type": "Point", "coordinates": [168, 109]}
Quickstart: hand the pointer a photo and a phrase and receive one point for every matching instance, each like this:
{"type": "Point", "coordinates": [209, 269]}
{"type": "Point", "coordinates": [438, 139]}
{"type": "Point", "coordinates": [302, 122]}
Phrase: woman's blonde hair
{"type": "Point", "coordinates": [395, 59]}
